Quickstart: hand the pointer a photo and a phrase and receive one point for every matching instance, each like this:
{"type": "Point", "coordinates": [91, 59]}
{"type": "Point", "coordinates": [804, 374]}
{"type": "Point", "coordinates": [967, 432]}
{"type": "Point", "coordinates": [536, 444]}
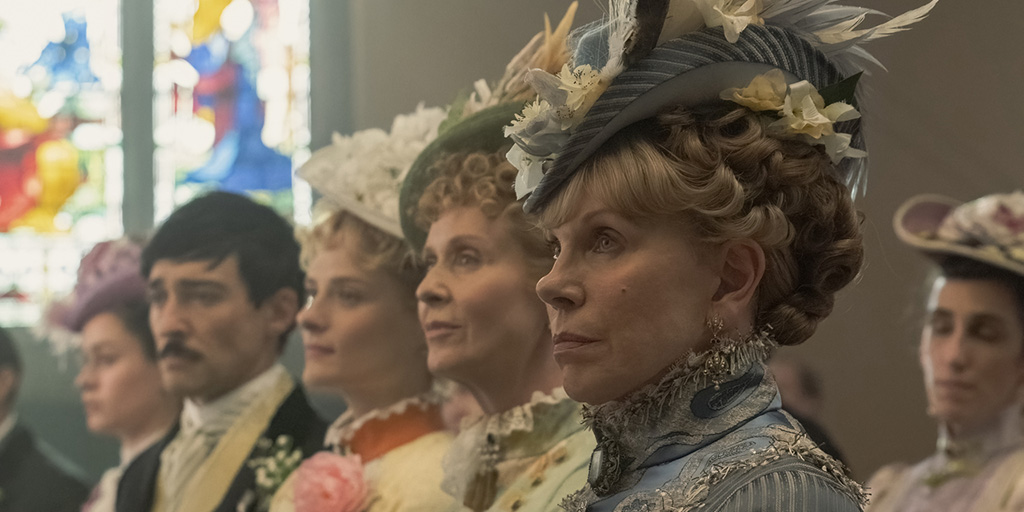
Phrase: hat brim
{"type": "Point", "coordinates": [689, 71]}
{"type": "Point", "coordinates": [116, 290]}
{"type": "Point", "coordinates": [917, 222]}
{"type": "Point", "coordinates": [368, 215]}
{"type": "Point", "coordinates": [482, 131]}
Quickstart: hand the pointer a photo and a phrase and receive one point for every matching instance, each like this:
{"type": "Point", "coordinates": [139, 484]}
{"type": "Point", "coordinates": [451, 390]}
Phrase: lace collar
{"type": "Point", "coordinates": [683, 408]}
{"type": "Point", "coordinates": [1005, 434]}
{"type": "Point", "coordinates": [345, 428]}
{"type": "Point", "coordinates": [525, 430]}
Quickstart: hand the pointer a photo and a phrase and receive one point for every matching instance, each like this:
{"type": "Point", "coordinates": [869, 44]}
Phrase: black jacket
{"type": "Point", "coordinates": [31, 482]}
{"type": "Point", "coordinates": [295, 418]}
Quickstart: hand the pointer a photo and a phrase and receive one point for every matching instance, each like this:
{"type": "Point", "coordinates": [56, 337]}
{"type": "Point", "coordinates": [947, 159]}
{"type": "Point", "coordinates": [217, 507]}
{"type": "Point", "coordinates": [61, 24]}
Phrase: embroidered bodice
{"type": "Point", "coordinates": [538, 451]}
{"type": "Point", "coordinates": [684, 442]}
{"type": "Point", "coordinates": [965, 473]}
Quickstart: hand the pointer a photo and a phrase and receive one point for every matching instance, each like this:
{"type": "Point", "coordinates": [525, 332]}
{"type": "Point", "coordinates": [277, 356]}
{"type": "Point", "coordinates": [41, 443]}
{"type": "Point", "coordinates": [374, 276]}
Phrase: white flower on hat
{"type": "Point", "coordinates": [579, 83]}
{"type": "Point", "coordinates": [994, 220]}
{"type": "Point", "coordinates": [804, 112]}
{"type": "Point", "coordinates": [531, 170]}
{"type": "Point", "coordinates": [366, 169]}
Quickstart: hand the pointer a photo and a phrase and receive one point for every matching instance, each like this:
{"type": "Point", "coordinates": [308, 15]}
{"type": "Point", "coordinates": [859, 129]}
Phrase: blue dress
{"type": "Point", "coordinates": [682, 444]}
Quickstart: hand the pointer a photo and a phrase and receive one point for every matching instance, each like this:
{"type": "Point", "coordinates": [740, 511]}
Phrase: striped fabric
{"type": "Point", "coordinates": [787, 485]}
{"type": "Point", "coordinates": [628, 98]}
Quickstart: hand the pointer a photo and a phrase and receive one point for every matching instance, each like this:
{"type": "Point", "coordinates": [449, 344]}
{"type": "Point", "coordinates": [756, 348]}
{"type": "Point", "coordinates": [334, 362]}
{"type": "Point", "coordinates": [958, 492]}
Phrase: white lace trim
{"type": "Point", "coordinates": [464, 454]}
{"type": "Point", "coordinates": [345, 427]}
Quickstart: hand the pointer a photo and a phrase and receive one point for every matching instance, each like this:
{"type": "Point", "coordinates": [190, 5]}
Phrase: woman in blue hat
{"type": "Point", "coordinates": [694, 166]}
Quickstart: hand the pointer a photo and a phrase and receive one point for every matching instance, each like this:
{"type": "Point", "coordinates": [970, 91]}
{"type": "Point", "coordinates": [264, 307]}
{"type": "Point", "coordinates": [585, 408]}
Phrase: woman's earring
{"type": "Point", "coordinates": [716, 365]}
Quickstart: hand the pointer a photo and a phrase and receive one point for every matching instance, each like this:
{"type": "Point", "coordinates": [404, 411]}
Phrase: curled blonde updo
{"type": "Point", "coordinates": [720, 171]}
{"type": "Point", "coordinates": [484, 181]}
{"type": "Point", "coordinates": [372, 248]}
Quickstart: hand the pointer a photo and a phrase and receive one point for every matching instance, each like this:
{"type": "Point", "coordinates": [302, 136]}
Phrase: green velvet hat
{"type": "Point", "coordinates": [480, 132]}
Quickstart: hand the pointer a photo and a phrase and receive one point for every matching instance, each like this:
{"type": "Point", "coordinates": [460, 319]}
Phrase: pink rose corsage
{"type": "Point", "coordinates": [330, 482]}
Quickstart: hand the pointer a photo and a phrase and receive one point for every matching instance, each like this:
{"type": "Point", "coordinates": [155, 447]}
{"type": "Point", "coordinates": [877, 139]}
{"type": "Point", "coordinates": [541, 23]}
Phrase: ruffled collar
{"type": "Point", "coordinates": [682, 412]}
{"type": "Point", "coordinates": [380, 430]}
{"type": "Point", "coordinates": [967, 455]}
{"type": "Point", "coordinates": [1004, 434]}
{"type": "Point", "coordinates": [525, 430]}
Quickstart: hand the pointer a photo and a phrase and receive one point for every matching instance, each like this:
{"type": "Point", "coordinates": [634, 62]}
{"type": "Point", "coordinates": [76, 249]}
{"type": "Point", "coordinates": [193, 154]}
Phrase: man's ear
{"type": "Point", "coordinates": [280, 309]}
{"type": "Point", "coordinates": [742, 267]}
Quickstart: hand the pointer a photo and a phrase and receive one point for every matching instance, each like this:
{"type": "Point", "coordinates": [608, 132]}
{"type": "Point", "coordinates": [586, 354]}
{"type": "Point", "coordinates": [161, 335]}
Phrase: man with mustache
{"type": "Point", "coordinates": [224, 285]}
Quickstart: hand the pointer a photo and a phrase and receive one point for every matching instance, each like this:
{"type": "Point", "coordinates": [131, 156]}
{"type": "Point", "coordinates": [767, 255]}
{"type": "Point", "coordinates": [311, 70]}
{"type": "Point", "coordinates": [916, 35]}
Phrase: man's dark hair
{"type": "Point", "coordinates": [219, 225]}
{"type": "Point", "coordinates": [134, 315]}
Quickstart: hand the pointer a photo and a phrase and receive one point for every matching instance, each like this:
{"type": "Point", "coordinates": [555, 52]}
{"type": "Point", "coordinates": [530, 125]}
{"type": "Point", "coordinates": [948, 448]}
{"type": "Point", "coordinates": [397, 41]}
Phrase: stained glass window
{"type": "Point", "coordinates": [60, 154]}
{"type": "Point", "coordinates": [231, 80]}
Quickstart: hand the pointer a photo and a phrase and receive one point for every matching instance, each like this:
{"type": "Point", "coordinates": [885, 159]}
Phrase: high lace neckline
{"type": "Point", "coordinates": [966, 456]}
{"type": "Point", "coordinates": [1004, 434]}
{"type": "Point", "coordinates": [682, 409]}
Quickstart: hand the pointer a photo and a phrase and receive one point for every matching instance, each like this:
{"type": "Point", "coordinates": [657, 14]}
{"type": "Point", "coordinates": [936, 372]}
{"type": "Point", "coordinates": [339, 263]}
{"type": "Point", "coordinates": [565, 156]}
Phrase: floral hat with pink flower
{"type": "Point", "coordinates": [989, 229]}
{"type": "Point", "coordinates": [796, 62]}
{"type": "Point", "coordinates": [108, 276]}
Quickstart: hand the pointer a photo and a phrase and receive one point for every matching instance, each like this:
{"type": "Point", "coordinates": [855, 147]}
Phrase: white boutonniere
{"type": "Point", "coordinates": [272, 463]}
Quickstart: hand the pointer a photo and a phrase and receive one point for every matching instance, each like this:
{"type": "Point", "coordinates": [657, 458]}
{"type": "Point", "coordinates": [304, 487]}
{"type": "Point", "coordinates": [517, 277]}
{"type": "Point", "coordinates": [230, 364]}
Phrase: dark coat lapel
{"type": "Point", "coordinates": [32, 481]}
{"type": "Point", "coordinates": [294, 418]}
{"type": "Point", "coordinates": [135, 490]}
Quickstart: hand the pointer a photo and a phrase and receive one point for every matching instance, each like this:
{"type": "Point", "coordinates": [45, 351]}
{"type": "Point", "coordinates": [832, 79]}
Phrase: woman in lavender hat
{"type": "Point", "coordinates": [108, 319]}
{"type": "Point", "coordinates": [972, 355]}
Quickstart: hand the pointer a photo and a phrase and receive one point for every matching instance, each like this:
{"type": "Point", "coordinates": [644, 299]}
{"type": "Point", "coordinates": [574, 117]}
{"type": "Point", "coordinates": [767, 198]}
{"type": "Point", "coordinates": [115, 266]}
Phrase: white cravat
{"type": "Point", "coordinates": [202, 427]}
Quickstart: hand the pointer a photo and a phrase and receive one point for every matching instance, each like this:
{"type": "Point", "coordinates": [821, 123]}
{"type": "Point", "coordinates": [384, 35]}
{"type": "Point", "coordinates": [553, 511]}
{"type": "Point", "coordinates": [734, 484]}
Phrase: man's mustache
{"type": "Point", "coordinates": [176, 348]}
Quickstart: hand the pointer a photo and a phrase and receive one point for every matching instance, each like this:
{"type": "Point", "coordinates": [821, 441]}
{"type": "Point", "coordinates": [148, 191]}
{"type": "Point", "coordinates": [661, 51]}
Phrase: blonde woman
{"type": "Point", "coordinates": [360, 329]}
{"type": "Point", "coordinates": [695, 226]}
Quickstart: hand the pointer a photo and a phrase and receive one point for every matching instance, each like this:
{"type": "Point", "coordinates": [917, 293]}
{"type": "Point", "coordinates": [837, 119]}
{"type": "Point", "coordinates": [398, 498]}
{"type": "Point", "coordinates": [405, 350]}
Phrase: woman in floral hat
{"type": "Point", "coordinates": [361, 334]}
{"type": "Point", "coordinates": [108, 319]}
{"type": "Point", "coordinates": [972, 354]}
{"type": "Point", "coordinates": [693, 166]}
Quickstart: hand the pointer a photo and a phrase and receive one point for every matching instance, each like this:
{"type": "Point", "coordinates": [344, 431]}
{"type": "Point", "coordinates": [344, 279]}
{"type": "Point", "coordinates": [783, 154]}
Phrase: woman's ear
{"type": "Point", "coordinates": [742, 266]}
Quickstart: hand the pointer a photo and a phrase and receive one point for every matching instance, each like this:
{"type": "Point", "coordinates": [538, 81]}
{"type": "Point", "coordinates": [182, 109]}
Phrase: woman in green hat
{"type": "Point", "coordinates": [485, 327]}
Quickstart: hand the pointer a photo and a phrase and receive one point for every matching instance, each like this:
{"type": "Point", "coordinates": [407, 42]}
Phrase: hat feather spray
{"type": "Point", "coordinates": [648, 54]}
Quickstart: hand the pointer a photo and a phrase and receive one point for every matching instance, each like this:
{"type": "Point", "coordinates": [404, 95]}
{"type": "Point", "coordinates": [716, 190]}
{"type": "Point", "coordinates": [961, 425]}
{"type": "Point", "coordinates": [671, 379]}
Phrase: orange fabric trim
{"type": "Point", "coordinates": [379, 436]}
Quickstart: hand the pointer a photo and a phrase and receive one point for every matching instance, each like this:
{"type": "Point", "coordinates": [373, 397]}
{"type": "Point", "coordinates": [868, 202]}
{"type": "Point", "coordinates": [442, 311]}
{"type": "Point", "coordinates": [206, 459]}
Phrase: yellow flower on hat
{"type": "Point", "coordinates": [765, 92]}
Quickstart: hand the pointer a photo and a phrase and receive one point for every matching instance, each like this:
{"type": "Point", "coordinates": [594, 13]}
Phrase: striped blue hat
{"type": "Point", "coordinates": [650, 55]}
